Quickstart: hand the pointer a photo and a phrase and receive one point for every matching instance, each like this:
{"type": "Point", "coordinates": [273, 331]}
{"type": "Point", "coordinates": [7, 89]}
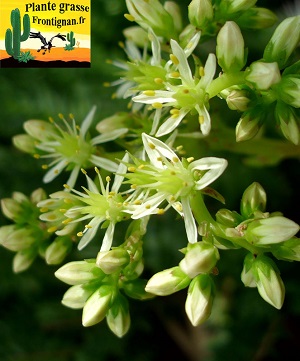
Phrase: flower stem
{"type": "Point", "coordinates": [225, 81]}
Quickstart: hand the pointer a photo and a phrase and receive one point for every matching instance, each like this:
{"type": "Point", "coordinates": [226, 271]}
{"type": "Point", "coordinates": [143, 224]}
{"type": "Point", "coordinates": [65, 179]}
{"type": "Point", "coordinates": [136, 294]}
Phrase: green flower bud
{"type": "Point", "coordinates": [270, 230]}
{"type": "Point", "coordinates": [257, 18]}
{"type": "Point", "coordinates": [76, 296]}
{"type": "Point", "coordinates": [24, 142]}
{"type": "Point", "coordinates": [268, 281]}
{"type": "Point", "coordinates": [139, 37]}
{"type": "Point", "coordinates": [11, 208]}
{"type": "Point", "coordinates": [263, 75]}
{"type": "Point", "coordinates": [247, 276]}
{"type": "Point", "coordinates": [283, 42]}
{"type": "Point", "coordinates": [200, 12]}
{"type": "Point", "coordinates": [230, 47]}
{"type": "Point", "coordinates": [78, 272]}
{"type": "Point", "coordinates": [136, 289]}
{"type": "Point", "coordinates": [286, 118]}
{"type": "Point", "coordinates": [113, 260]}
{"type": "Point", "coordinates": [151, 14]}
{"type": "Point", "coordinates": [233, 6]}
{"type": "Point", "coordinates": [167, 282]}
{"type": "Point", "coordinates": [288, 250]}
{"type": "Point", "coordinates": [200, 257]}
{"type": "Point", "coordinates": [199, 300]}
{"type": "Point", "coordinates": [254, 199]}
{"type": "Point", "coordinates": [118, 317]}
{"type": "Point", "coordinates": [289, 89]}
{"type": "Point", "coordinates": [228, 218]}
{"type": "Point", "coordinates": [23, 259]}
{"type": "Point", "coordinates": [186, 35]}
{"type": "Point", "coordinates": [238, 100]}
{"type": "Point", "coordinates": [18, 239]}
{"type": "Point", "coordinates": [58, 250]}
{"type": "Point", "coordinates": [174, 10]}
{"type": "Point", "coordinates": [248, 125]}
{"type": "Point", "coordinates": [38, 195]}
{"type": "Point", "coordinates": [39, 129]}
{"type": "Point", "coordinates": [97, 306]}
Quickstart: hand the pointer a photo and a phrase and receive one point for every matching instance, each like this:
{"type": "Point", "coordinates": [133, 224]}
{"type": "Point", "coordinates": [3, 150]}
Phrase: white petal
{"type": "Point", "coordinates": [122, 168]}
{"type": "Point", "coordinates": [192, 44]}
{"type": "Point", "coordinates": [108, 238]}
{"type": "Point", "coordinates": [156, 150]}
{"type": "Point", "coordinates": [89, 234]}
{"type": "Point", "coordinates": [183, 66]}
{"type": "Point", "coordinates": [160, 96]}
{"type": "Point", "coordinates": [171, 123]}
{"type": "Point", "coordinates": [54, 171]}
{"type": "Point", "coordinates": [106, 137]}
{"type": "Point", "coordinates": [87, 122]}
{"type": "Point", "coordinates": [189, 221]}
{"type": "Point", "coordinates": [104, 163]}
{"type": "Point", "coordinates": [215, 167]}
{"type": "Point", "coordinates": [151, 203]}
{"type": "Point", "coordinates": [205, 126]}
{"type": "Point", "coordinates": [73, 176]}
{"type": "Point", "coordinates": [209, 71]}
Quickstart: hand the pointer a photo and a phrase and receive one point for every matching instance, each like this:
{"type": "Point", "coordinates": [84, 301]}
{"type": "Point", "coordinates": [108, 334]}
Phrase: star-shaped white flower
{"type": "Point", "coordinates": [167, 178]}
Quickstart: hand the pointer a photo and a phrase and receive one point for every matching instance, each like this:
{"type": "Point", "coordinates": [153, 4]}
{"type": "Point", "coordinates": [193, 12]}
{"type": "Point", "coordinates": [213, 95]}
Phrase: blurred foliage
{"type": "Point", "coordinates": [35, 326]}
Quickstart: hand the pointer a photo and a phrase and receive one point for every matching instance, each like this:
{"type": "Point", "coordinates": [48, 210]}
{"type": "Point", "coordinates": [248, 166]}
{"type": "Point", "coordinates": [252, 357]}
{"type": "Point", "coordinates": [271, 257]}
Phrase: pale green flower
{"type": "Point", "coordinates": [69, 147]}
{"type": "Point", "coordinates": [167, 178]}
{"type": "Point", "coordinates": [190, 95]}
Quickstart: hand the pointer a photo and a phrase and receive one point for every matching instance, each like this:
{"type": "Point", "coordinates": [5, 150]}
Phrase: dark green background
{"type": "Point", "coordinates": [34, 326]}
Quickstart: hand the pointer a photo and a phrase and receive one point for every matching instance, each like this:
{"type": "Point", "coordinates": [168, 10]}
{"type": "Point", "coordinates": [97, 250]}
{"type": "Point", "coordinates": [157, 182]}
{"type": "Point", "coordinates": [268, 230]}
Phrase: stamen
{"type": "Point", "coordinates": [80, 234]}
{"type": "Point", "coordinates": [88, 226]}
{"type": "Point", "coordinates": [121, 44]}
{"type": "Point", "coordinates": [175, 160]}
{"type": "Point", "coordinates": [157, 105]}
{"type": "Point", "coordinates": [151, 145]}
{"type": "Point", "coordinates": [160, 211]}
{"type": "Point", "coordinates": [201, 71]}
{"type": "Point", "coordinates": [129, 17]}
{"type": "Point", "coordinates": [148, 206]}
{"type": "Point", "coordinates": [186, 91]}
{"type": "Point", "coordinates": [175, 74]}
{"type": "Point", "coordinates": [83, 171]}
{"type": "Point", "coordinates": [44, 209]}
{"type": "Point", "coordinates": [137, 202]}
{"type": "Point", "coordinates": [67, 187]}
{"type": "Point", "coordinates": [66, 221]}
{"type": "Point", "coordinates": [36, 156]}
{"type": "Point", "coordinates": [52, 229]}
{"type": "Point", "coordinates": [158, 80]}
{"type": "Point", "coordinates": [149, 93]}
{"type": "Point", "coordinates": [45, 166]}
{"type": "Point", "coordinates": [201, 119]}
{"type": "Point", "coordinates": [190, 159]}
{"type": "Point", "coordinates": [106, 84]}
{"type": "Point", "coordinates": [131, 169]}
{"type": "Point", "coordinates": [174, 59]}
{"type": "Point", "coordinates": [108, 179]}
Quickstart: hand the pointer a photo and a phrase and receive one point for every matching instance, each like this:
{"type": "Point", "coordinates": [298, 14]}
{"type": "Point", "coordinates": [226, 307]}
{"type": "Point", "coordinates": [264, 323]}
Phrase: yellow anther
{"type": "Point", "coordinates": [185, 184]}
{"type": "Point", "coordinates": [88, 226]}
{"type": "Point", "coordinates": [60, 115]}
{"type": "Point", "coordinates": [129, 17]}
{"type": "Point", "coordinates": [189, 45]}
{"type": "Point", "coordinates": [149, 93]}
{"type": "Point", "coordinates": [178, 207]}
{"type": "Point", "coordinates": [112, 193]}
{"type": "Point", "coordinates": [44, 209]}
{"type": "Point", "coordinates": [201, 119]}
{"type": "Point", "coordinates": [141, 166]}
{"type": "Point", "coordinates": [106, 84]}
{"type": "Point", "coordinates": [137, 202]}
{"type": "Point", "coordinates": [114, 96]}
{"type": "Point", "coordinates": [56, 171]}
{"type": "Point", "coordinates": [158, 80]}
{"type": "Point", "coordinates": [159, 159]}
{"type": "Point", "coordinates": [190, 159]}
{"type": "Point", "coordinates": [201, 71]}
{"type": "Point", "coordinates": [174, 111]}
{"type": "Point", "coordinates": [179, 148]}
{"type": "Point", "coordinates": [175, 74]}
{"type": "Point", "coordinates": [62, 210]}
{"type": "Point", "coordinates": [186, 91]}
{"type": "Point", "coordinates": [151, 145]}
{"type": "Point", "coordinates": [71, 116]}
{"type": "Point", "coordinates": [51, 120]}
{"type": "Point", "coordinates": [131, 169]}
{"type": "Point", "coordinates": [66, 221]}
{"type": "Point", "coordinates": [67, 186]}
{"type": "Point", "coordinates": [96, 170]}
{"type": "Point", "coordinates": [108, 61]}
{"type": "Point", "coordinates": [51, 229]}
{"type": "Point", "coordinates": [172, 199]}
{"type": "Point", "coordinates": [80, 234]}
{"type": "Point", "coordinates": [121, 44]}
{"type": "Point", "coordinates": [67, 200]}
{"type": "Point", "coordinates": [133, 186]}
{"type": "Point", "coordinates": [173, 173]}
{"type": "Point", "coordinates": [83, 171]}
{"type": "Point", "coordinates": [175, 160]}
{"type": "Point", "coordinates": [45, 166]}
{"type": "Point", "coordinates": [160, 211]}
{"type": "Point", "coordinates": [108, 179]}
{"type": "Point", "coordinates": [174, 59]}
{"type": "Point", "coordinates": [36, 156]}
{"type": "Point", "coordinates": [157, 105]}
{"type": "Point", "coordinates": [148, 206]}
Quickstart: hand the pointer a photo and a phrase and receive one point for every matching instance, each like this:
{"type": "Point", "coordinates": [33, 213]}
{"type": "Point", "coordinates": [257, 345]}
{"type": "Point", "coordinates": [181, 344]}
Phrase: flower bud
{"type": "Point", "coordinates": [167, 282]}
{"type": "Point", "coordinates": [199, 300]}
{"type": "Point", "coordinates": [248, 125]}
{"type": "Point", "coordinates": [230, 47]}
{"type": "Point", "coordinates": [118, 317]}
{"type": "Point", "coordinates": [58, 250]}
{"type": "Point", "coordinates": [268, 281]}
{"type": "Point", "coordinates": [200, 257]}
{"type": "Point", "coordinates": [112, 261]}
{"type": "Point", "coordinates": [288, 250]}
{"type": "Point", "coordinates": [11, 208]}
{"type": "Point", "coordinates": [77, 272]}
{"type": "Point", "coordinates": [38, 195]}
{"type": "Point", "coordinates": [257, 18]}
{"type": "Point", "coordinates": [23, 259]}
{"type": "Point", "coordinates": [228, 218]}
{"type": "Point", "coordinates": [136, 289]}
{"type": "Point", "coordinates": [289, 89]}
{"type": "Point", "coordinates": [174, 10]}
{"type": "Point", "coordinates": [238, 100]}
{"type": "Point", "coordinates": [97, 306]}
{"type": "Point", "coordinates": [24, 142]}
{"type": "Point", "coordinates": [76, 296]}
{"type": "Point", "coordinates": [247, 276]}
{"type": "Point", "coordinates": [263, 75]}
{"type": "Point", "coordinates": [139, 37]}
{"type": "Point", "coordinates": [254, 199]}
{"type": "Point", "coordinates": [200, 12]}
{"type": "Point", "coordinates": [19, 239]}
{"type": "Point", "coordinates": [283, 42]}
{"type": "Point", "coordinates": [286, 118]}
{"type": "Point", "coordinates": [270, 230]}
{"type": "Point", "coordinates": [234, 6]}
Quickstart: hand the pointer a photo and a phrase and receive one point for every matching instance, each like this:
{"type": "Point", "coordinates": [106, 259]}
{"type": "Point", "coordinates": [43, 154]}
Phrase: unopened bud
{"type": "Point", "coordinates": [257, 18]}
{"type": "Point", "coordinates": [200, 12]}
{"type": "Point", "coordinates": [286, 118]}
{"type": "Point", "coordinates": [263, 75]}
{"type": "Point", "coordinates": [40, 130]}
{"type": "Point", "coordinates": [76, 296]}
{"type": "Point", "coordinates": [228, 218]}
{"type": "Point", "coordinates": [23, 259]}
{"type": "Point", "coordinates": [136, 289]}
{"type": "Point", "coordinates": [288, 250]}
{"type": "Point", "coordinates": [113, 260]}
{"type": "Point", "coordinates": [118, 317]}
{"type": "Point", "coordinates": [58, 250]}
{"type": "Point", "coordinates": [167, 282]}
{"type": "Point", "coordinates": [247, 276]}
{"type": "Point", "coordinates": [248, 125]}
{"type": "Point", "coordinates": [238, 100]}
{"type": "Point", "coordinates": [199, 300]}
{"type": "Point", "coordinates": [254, 199]}
{"type": "Point", "coordinates": [289, 89]}
{"type": "Point", "coordinates": [25, 143]}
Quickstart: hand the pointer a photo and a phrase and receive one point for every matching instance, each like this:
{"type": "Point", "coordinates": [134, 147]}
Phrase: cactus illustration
{"type": "Point", "coordinates": [14, 38]}
{"type": "Point", "coordinates": [71, 39]}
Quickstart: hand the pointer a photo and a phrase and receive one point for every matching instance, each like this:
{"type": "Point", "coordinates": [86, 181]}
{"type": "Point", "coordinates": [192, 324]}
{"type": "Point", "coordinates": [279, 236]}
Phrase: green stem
{"type": "Point", "coordinates": [225, 81]}
{"type": "Point", "coordinates": [202, 214]}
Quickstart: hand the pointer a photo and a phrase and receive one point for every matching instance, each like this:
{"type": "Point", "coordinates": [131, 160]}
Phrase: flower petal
{"type": "Point", "coordinates": [106, 137]}
{"type": "Point", "coordinates": [189, 221]}
{"type": "Point", "coordinates": [171, 123]}
{"type": "Point", "coordinates": [108, 237]}
{"type": "Point", "coordinates": [183, 65]}
{"type": "Point", "coordinates": [87, 122]}
{"type": "Point", "coordinates": [54, 171]}
{"type": "Point", "coordinates": [104, 163]}
{"type": "Point", "coordinates": [89, 234]}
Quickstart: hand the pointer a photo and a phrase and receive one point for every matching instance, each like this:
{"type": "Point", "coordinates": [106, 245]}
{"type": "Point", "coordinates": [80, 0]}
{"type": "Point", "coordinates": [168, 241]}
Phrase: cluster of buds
{"type": "Point", "coordinates": [100, 285]}
{"type": "Point", "coordinates": [30, 236]}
